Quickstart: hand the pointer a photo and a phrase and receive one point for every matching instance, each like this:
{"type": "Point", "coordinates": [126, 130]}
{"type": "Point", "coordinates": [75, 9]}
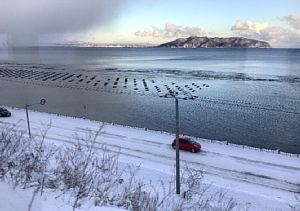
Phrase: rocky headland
{"type": "Point", "coordinates": [216, 42]}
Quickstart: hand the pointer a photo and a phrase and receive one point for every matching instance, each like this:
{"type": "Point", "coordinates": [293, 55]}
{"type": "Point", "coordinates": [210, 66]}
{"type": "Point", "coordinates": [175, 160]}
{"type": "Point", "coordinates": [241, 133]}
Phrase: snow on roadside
{"type": "Point", "coordinates": [259, 179]}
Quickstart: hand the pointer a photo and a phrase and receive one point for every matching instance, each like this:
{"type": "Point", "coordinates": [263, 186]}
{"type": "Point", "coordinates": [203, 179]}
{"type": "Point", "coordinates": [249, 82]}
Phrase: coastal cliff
{"type": "Point", "coordinates": [216, 42]}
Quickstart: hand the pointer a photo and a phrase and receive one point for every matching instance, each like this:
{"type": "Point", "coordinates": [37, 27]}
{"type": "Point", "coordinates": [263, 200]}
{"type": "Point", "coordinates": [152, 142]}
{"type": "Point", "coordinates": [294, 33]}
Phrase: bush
{"type": "Point", "coordinates": [86, 172]}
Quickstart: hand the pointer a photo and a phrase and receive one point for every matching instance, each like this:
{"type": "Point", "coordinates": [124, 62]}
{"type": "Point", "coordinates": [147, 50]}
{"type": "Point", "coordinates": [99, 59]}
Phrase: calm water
{"type": "Point", "coordinates": [245, 96]}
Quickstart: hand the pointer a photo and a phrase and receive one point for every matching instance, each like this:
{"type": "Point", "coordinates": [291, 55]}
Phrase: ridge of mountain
{"type": "Point", "coordinates": [216, 42]}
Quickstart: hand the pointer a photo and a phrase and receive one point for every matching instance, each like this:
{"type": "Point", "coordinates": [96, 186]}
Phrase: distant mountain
{"type": "Point", "coordinates": [97, 45]}
{"type": "Point", "coordinates": [216, 42]}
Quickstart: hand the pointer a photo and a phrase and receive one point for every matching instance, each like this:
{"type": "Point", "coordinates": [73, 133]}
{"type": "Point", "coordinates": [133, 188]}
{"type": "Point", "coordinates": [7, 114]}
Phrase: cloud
{"type": "Point", "coordinates": [275, 35]}
{"type": "Point", "coordinates": [155, 32]}
{"type": "Point", "coordinates": [26, 20]}
{"type": "Point", "coordinates": [293, 20]}
{"type": "Point", "coordinates": [239, 25]}
{"type": "Point", "coordinates": [249, 27]}
{"type": "Point", "coordinates": [171, 31]}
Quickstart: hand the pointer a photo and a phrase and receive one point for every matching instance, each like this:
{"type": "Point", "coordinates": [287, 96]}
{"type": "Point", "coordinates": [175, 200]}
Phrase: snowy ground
{"type": "Point", "coordinates": [262, 180]}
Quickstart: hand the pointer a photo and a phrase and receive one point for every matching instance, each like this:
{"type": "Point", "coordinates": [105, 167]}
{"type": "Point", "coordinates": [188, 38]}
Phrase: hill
{"type": "Point", "coordinates": [216, 42]}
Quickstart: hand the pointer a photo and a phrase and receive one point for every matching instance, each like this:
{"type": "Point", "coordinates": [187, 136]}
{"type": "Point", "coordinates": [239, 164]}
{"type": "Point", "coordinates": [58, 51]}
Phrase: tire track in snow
{"type": "Point", "coordinates": [244, 176]}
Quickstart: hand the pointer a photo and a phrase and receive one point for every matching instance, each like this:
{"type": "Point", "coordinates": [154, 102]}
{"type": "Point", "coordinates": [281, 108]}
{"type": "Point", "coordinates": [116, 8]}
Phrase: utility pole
{"type": "Point", "coordinates": [177, 148]}
{"type": "Point", "coordinates": [185, 96]}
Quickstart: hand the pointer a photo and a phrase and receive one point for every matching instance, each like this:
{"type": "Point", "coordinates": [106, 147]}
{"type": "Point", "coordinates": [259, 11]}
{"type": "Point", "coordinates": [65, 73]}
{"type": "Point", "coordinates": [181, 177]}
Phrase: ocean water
{"type": "Point", "coordinates": [244, 96]}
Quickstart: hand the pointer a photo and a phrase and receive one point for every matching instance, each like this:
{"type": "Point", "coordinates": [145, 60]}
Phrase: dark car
{"type": "Point", "coordinates": [188, 144]}
{"type": "Point", "coordinates": [4, 112]}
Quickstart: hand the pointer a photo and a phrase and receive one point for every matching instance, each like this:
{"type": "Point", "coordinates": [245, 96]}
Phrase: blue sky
{"type": "Point", "coordinates": [148, 21]}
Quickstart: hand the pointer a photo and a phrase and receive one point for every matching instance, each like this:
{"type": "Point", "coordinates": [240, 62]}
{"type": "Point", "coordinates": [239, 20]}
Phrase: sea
{"type": "Point", "coordinates": [248, 97]}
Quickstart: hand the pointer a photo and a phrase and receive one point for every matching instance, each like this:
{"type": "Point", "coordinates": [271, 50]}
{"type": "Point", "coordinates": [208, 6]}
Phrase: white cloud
{"type": "Point", "coordinates": [239, 25]}
{"type": "Point", "coordinates": [171, 31]}
{"type": "Point", "coordinates": [172, 27]}
{"type": "Point", "coordinates": [275, 35]}
{"type": "Point", "coordinates": [156, 33]}
{"type": "Point", "coordinates": [257, 26]}
{"type": "Point", "coordinates": [143, 33]}
{"type": "Point", "coordinates": [149, 33]}
{"type": "Point", "coordinates": [249, 27]}
{"type": "Point", "coordinates": [193, 31]}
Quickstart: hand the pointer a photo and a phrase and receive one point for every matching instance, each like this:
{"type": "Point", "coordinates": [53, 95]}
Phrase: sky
{"type": "Point", "coordinates": [34, 22]}
{"type": "Point", "coordinates": [260, 179]}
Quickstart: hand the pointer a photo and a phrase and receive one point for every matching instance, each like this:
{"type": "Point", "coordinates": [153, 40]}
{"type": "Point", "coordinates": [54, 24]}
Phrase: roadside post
{"type": "Point", "coordinates": [42, 102]}
{"type": "Point", "coordinates": [84, 107]}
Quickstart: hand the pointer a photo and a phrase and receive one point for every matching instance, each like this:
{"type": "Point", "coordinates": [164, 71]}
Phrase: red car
{"type": "Point", "coordinates": [188, 144]}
